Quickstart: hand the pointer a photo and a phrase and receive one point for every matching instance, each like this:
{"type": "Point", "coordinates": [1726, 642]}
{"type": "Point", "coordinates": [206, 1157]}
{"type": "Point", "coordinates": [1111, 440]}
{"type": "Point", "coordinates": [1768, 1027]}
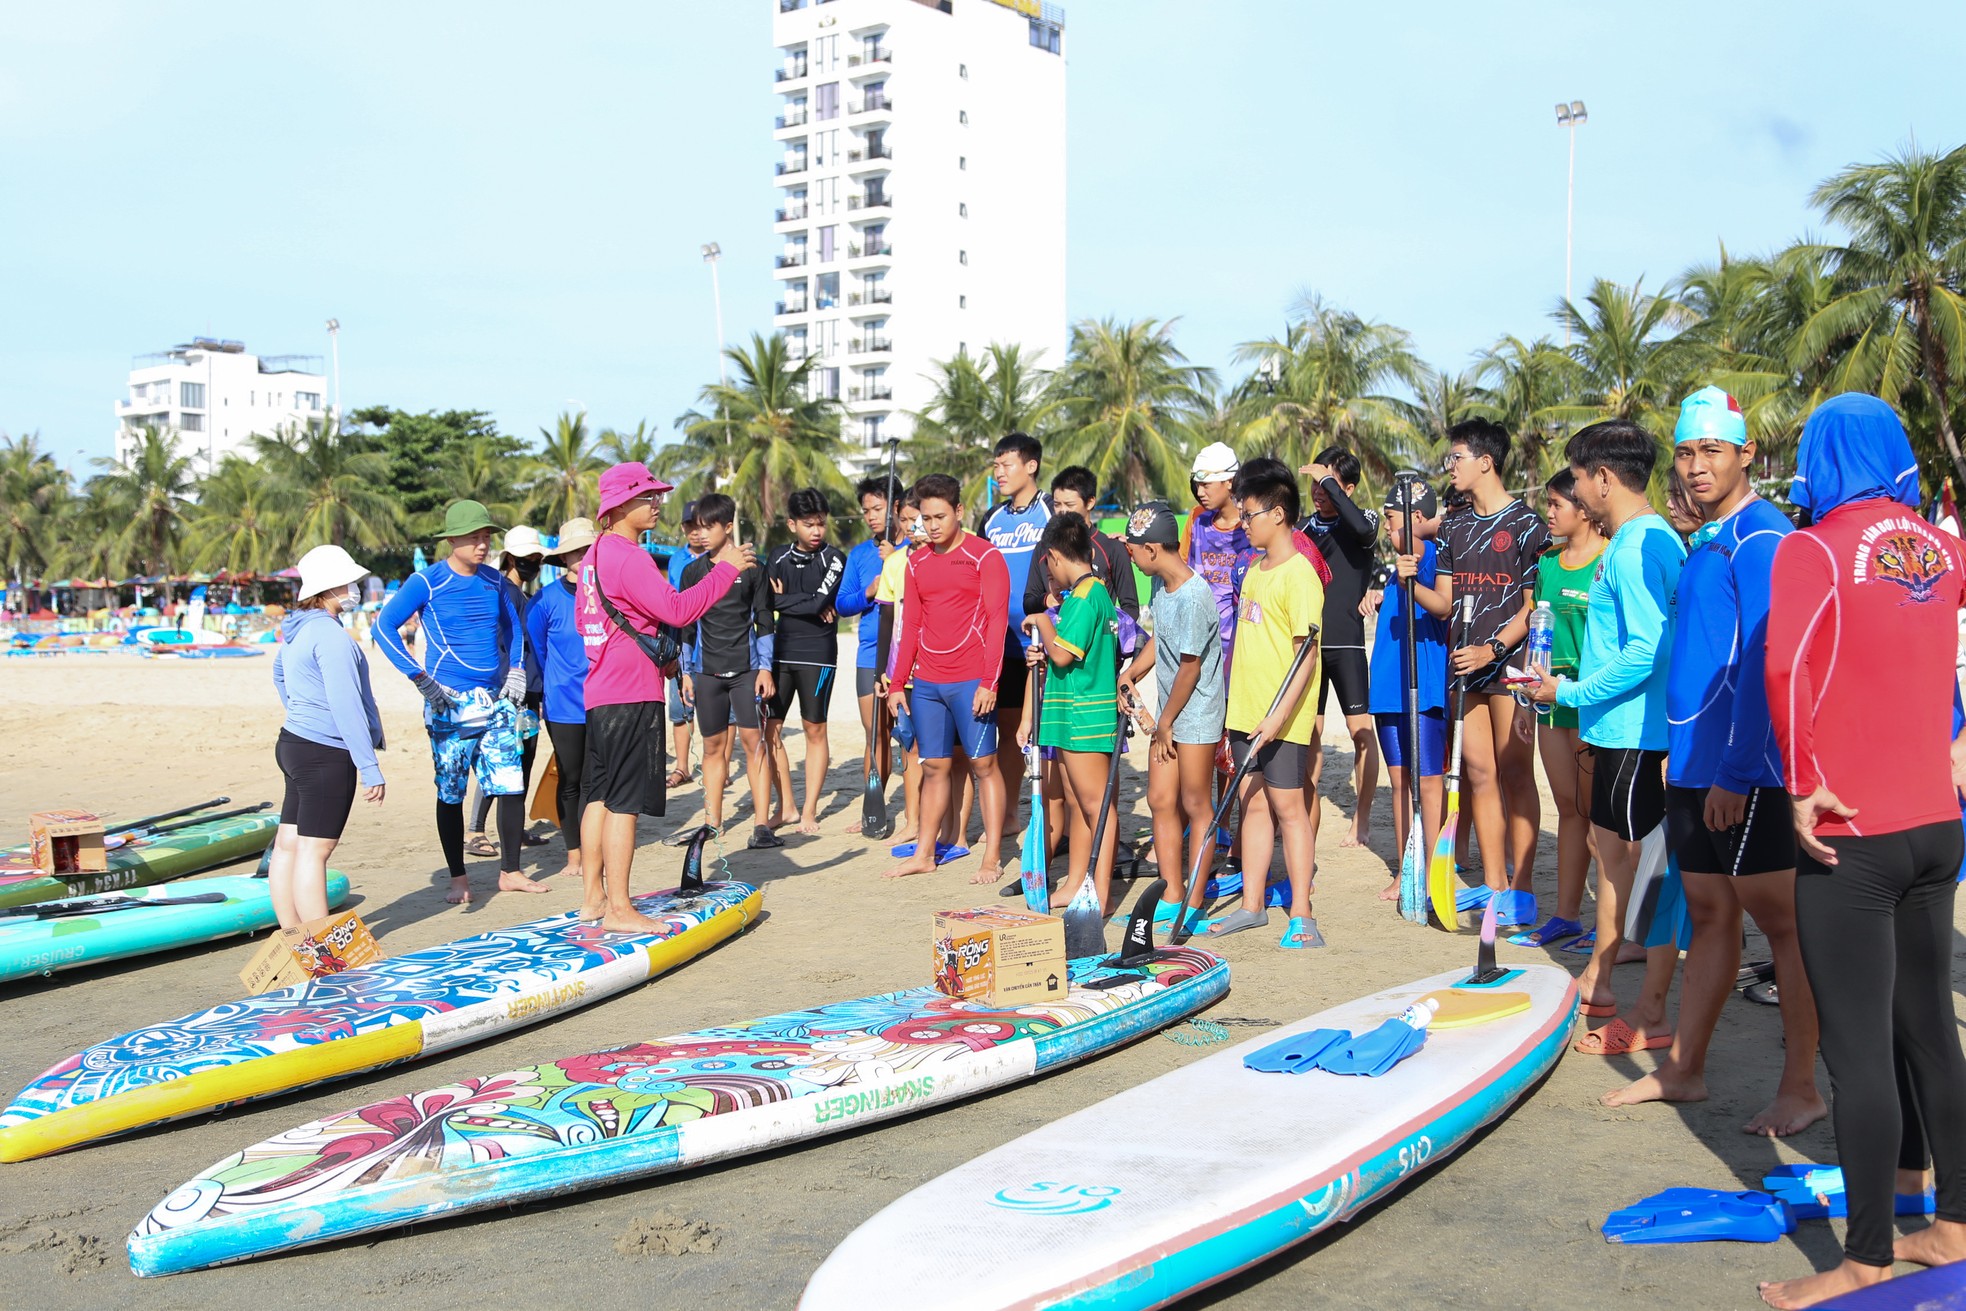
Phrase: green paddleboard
{"type": "Point", "coordinates": [143, 860]}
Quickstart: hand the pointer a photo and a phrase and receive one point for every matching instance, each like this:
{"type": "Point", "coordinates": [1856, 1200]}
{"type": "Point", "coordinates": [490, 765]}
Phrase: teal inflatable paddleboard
{"type": "Point", "coordinates": [63, 935]}
{"type": "Point", "coordinates": [144, 857]}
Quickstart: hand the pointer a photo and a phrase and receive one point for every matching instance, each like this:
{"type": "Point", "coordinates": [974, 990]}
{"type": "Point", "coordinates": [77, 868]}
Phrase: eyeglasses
{"type": "Point", "coordinates": [1452, 458]}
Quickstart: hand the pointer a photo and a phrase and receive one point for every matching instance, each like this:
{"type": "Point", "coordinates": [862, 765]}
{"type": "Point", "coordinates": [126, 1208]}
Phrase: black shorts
{"type": "Point", "coordinates": [1014, 677]}
{"type": "Point", "coordinates": [627, 766]}
{"type": "Point", "coordinates": [1628, 791]}
{"type": "Point", "coordinates": [1282, 763]}
{"type": "Point", "coordinates": [719, 697]}
{"type": "Point", "coordinates": [1346, 669]}
{"type": "Point", "coordinates": [1762, 843]}
{"type": "Point", "coordinates": [863, 680]}
{"type": "Point", "coordinates": [320, 786]}
{"type": "Point", "coordinates": [814, 685]}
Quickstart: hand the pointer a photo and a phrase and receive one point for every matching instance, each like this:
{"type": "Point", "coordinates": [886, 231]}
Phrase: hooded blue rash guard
{"type": "Point", "coordinates": [1716, 694]}
{"type": "Point", "coordinates": [470, 628]}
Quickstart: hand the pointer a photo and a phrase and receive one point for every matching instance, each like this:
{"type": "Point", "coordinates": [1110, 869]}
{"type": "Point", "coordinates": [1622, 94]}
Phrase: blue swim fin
{"type": "Point", "coordinates": [1815, 1192]}
{"type": "Point", "coordinates": [1297, 1053]}
{"type": "Point", "coordinates": [1700, 1215]}
{"type": "Point", "coordinates": [1475, 898]}
{"type": "Point", "coordinates": [1513, 908]}
{"type": "Point", "coordinates": [1372, 1054]}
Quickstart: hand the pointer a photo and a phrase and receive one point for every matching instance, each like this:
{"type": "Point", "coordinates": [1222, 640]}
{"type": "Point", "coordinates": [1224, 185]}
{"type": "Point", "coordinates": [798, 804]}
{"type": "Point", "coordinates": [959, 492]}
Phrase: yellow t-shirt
{"type": "Point", "coordinates": [1277, 606]}
{"type": "Point", "coordinates": [894, 577]}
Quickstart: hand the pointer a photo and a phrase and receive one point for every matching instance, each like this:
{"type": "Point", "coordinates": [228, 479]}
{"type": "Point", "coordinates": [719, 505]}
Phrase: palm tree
{"type": "Point", "coordinates": [1900, 311]}
{"type": "Point", "coordinates": [1326, 383]}
{"type": "Point", "coordinates": [237, 524]}
{"type": "Point", "coordinates": [1444, 400]}
{"type": "Point", "coordinates": [30, 485]}
{"type": "Point", "coordinates": [480, 469]}
{"type": "Point", "coordinates": [1522, 385]}
{"type": "Point", "coordinates": [763, 435]}
{"type": "Point", "coordinates": [566, 471]}
{"type": "Point", "coordinates": [332, 487]}
{"type": "Point", "coordinates": [1130, 405]}
{"type": "Point", "coordinates": [636, 446]}
{"type": "Point", "coordinates": [142, 502]}
{"type": "Point", "coordinates": [1629, 362]}
{"type": "Point", "coordinates": [976, 403]}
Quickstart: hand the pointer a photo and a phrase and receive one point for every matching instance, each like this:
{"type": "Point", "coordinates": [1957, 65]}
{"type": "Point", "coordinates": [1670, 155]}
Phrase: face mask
{"type": "Point", "coordinates": [528, 569]}
{"type": "Point", "coordinates": [354, 596]}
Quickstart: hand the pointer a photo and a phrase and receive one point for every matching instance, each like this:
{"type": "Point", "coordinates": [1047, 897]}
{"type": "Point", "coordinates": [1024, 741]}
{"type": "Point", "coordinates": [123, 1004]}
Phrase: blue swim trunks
{"type": "Point", "coordinates": [945, 717]}
{"type": "Point", "coordinates": [1433, 741]}
{"type": "Point", "coordinates": [479, 739]}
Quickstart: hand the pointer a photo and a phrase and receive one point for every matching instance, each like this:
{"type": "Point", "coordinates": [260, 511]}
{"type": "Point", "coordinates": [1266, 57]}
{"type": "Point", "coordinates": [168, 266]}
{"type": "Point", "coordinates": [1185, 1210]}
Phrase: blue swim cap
{"type": "Point", "coordinates": [1710, 414]}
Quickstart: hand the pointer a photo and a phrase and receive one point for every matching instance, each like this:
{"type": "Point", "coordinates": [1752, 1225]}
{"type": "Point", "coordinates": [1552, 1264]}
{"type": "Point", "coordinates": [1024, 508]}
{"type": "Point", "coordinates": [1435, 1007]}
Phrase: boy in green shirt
{"type": "Point", "coordinates": [1081, 694]}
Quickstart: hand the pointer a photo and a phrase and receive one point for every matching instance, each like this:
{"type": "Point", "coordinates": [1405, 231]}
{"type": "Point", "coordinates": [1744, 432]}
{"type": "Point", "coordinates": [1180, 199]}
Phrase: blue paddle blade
{"type": "Point", "coordinates": [1372, 1054]}
{"type": "Point", "coordinates": [1037, 895]}
{"type": "Point", "coordinates": [1412, 879]}
{"type": "Point", "coordinates": [1700, 1215]}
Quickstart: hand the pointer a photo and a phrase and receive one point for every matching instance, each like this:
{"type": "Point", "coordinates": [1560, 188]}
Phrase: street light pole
{"type": "Point", "coordinates": [1570, 117]}
{"type": "Point", "coordinates": [334, 355]}
{"type": "Point", "coordinates": [712, 252]}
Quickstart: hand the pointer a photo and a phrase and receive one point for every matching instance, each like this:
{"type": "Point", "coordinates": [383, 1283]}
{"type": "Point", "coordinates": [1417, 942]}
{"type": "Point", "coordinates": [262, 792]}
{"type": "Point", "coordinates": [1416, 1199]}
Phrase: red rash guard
{"type": "Point", "coordinates": [958, 606]}
{"type": "Point", "coordinates": [1863, 630]}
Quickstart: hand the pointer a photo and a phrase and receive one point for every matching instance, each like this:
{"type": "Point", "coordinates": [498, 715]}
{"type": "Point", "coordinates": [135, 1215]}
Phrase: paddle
{"type": "Point", "coordinates": [209, 819]}
{"type": "Point", "coordinates": [1085, 918]}
{"type": "Point", "coordinates": [1440, 876]}
{"type": "Point", "coordinates": [1197, 885]}
{"type": "Point", "coordinates": [1034, 859]}
{"type": "Point", "coordinates": [1412, 862]}
{"type": "Point", "coordinates": [153, 820]}
{"type": "Point", "coordinates": [52, 910]}
{"type": "Point", "coordinates": [875, 822]}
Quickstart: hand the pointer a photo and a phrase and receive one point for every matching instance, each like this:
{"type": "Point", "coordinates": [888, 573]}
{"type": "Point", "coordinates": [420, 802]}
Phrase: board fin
{"type": "Point", "coordinates": [1485, 970]}
{"type": "Point", "coordinates": [692, 884]}
{"type": "Point", "coordinates": [1137, 945]}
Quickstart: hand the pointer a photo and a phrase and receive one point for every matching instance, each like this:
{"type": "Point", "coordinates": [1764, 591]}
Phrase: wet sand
{"type": "Point", "coordinates": [1511, 1222]}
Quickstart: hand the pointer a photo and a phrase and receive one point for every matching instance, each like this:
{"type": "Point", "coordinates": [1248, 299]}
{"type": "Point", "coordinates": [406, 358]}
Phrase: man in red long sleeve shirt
{"type": "Point", "coordinates": [952, 641]}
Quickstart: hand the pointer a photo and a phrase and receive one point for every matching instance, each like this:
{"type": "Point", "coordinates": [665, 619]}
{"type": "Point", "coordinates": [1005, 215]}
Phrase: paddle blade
{"type": "Point", "coordinates": [1037, 892]}
{"type": "Point", "coordinates": [1440, 874]}
{"type": "Point", "coordinates": [874, 819]}
{"type": "Point", "coordinates": [1412, 879]}
{"type": "Point", "coordinates": [1085, 926]}
{"type": "Point", "coordinates": [1647, 884]}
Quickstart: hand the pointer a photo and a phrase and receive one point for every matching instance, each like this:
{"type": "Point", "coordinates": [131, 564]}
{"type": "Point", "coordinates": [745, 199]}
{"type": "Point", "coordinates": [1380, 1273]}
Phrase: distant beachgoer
{"type": "Point", "coordinates": [519, 559]}
{"type": "Point", "coordinates": [328, 744]}
{"type": "Point", "coordinates": [553, 631]}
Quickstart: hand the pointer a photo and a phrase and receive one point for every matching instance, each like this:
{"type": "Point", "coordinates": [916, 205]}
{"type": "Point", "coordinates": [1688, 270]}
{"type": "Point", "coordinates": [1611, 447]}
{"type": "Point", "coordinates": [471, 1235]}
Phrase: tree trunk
{"type": "Point", "coordinates": [1935, 382]}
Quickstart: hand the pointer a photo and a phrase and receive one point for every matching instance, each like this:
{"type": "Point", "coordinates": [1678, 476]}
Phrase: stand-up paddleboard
{"type": "Point", "coordinates": [144, 857]}
{"type": "Point", "coordinates": [672, 1104]}
{"type": "Point", "coordinates": [342, 1024]}
{"type": "Point", "coordinates": [1122, 1204]}
{"type": "Point", "coordinates": [64, 935]}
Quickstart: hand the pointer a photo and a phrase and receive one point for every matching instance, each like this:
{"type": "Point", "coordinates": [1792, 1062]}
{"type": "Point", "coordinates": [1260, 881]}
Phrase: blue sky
{"type": "Point", "coordinates": [503, 203]}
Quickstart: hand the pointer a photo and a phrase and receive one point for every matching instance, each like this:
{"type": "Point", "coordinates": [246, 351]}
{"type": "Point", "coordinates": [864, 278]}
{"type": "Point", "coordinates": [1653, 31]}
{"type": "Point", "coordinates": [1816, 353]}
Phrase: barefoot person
{"type": "Point", "coordinates": [1392, 666]}
{"type": "Point", "coordinates": [472, 684]}
{"type": "Point", "coordinates": [858, 600]}
{"type": "Point", "coordinates": [1014, 526]}
{"type": "Point", "coordinates": [1620, 699]}
{"type": "Point", "coordinates": [1728, 818]}
{"type": "Point", "coordinates": [328, 743]}
{"type": "Point", "coordinates": [1081, 706]}
{"type": "Point", "coordinates": [1862, 634]}
{"type": "Point", "coordinates": [805, 581]}
{"type": "Point", "coordinates": [1347, 536]}
{"type": "Point", "coordinates": [727, 660]}
{"type": "Point", "coordinates": [682, 713]}
{"type": "Point", "coordinates": [553, 630]}
{"type": "Point", "coordinates": [623, 602]}
{"type": "Point", "coordinates": [1184, 657]}
{"type": "Point", "coordinates": [520, 556]}
{"type": "Point", "coordinates": [1563, 580]}
{"type": "Point", "coordinates": [952, 649]}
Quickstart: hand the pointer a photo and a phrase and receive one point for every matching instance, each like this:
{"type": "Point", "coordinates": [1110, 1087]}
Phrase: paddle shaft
{"type": "Point", "coordinates": [151, 821]}
{"type": "Point", "coordinates": [1037, 886]}
{"type": "Point", "coordinates": [210, 819]}
{"type": "Point", "coordinates": [64, 909]}
{"type": "Point", "coordinates": [1076, 914]}
{"type": "Point", "coordinates": [1412, 658]}
{"type": "Point", "coordinates": [1196, 883]}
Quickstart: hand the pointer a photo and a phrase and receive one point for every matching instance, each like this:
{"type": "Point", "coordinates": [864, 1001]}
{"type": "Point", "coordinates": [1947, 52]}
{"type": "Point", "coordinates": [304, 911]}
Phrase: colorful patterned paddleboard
{"type": "Point", "coordinates": [591, 1121]}
{"type": "Point", "coordinates": [343, 1024]}
{"type": "Point", "coordinates": [30, 946]}
{"type": "Point", "coordinates": [142, 860]}
{"type": "Point", "coordinates": [1122, 1205]}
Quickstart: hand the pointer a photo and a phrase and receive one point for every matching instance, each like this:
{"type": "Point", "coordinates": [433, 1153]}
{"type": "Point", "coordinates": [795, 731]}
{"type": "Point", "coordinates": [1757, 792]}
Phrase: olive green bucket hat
{"type": "Point", "coordinates": [462, 518]}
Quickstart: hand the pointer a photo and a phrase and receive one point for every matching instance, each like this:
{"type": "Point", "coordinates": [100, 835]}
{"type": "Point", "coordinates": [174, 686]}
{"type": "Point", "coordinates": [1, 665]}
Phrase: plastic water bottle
{"type": "Point", "coordinates": [1542, 634]}
{"type": "Point", "coordinates": [1420, 1014]}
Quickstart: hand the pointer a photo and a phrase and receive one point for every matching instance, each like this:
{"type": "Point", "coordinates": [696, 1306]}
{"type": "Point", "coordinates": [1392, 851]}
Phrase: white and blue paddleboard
{"type": "Point", "coordinates": [1123, 1205]}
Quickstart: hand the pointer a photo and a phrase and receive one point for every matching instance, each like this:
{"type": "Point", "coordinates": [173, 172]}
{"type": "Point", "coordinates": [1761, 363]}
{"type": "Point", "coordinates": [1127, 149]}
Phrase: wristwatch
{"type": "Point", "coordinates": [1496, 645]}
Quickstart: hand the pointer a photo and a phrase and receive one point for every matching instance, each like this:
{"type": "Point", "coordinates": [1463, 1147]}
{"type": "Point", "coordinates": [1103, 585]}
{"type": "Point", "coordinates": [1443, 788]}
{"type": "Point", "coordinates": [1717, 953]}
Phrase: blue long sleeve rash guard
{"type": "Point", "coordinates": [1621, 697]}
{"type": "Point", "coordinates": [552, 631]}
{"type": "Point", "coordinates": [863, 568]}
{"type": "Point", "coordinates": [470, 627]}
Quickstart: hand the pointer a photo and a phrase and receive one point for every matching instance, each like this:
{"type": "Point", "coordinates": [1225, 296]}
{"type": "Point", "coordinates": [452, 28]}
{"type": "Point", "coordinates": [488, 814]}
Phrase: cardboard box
{"type": "Point", "coordinates": [68, 842]}
{"type": "Point", "coordinates": [320, 947]}
{"type": "Point", "coordinates": [1002, 957]}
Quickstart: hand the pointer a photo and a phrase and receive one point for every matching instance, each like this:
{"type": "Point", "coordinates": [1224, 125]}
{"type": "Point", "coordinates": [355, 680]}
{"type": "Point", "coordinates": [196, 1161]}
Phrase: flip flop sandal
{"type": "Point", "coordinates": [478, 844]}
{"type": "Point", "coordinates": [1583, 946]}
{"type": "Point", "coordinates": [1763, 994]}
{"type": "Point", "coordinates": [679, 777]}
{"type": "Point", "coordinates": [533, 840]}
{"type": "Point", "coordinates": [1618, 1039]}
{"type": "Point", "coordinates": [1238, 920]}
{"type": "Point", "coordinates": [1301, 933]}
{"type": "Point", "coordinates": [763, 839]}
{"type": "Point", "coordinates": [1555, 929]}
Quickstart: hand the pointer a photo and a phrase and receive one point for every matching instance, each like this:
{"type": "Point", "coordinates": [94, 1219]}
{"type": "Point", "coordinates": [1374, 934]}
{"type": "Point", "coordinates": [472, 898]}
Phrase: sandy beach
{"type": "Point", "coordinates": [1512, 1221]}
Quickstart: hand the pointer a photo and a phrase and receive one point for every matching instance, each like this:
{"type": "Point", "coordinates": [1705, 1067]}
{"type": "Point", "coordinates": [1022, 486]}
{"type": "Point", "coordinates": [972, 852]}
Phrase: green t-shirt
{"type": "Point", "coordinates": [1081, 701]}
{"type": "Point", "coordinates": [1568, 591]}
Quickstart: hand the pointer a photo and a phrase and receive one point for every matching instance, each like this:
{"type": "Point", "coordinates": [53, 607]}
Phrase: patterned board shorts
{"type": "Point", "coordinates": [479, 738]}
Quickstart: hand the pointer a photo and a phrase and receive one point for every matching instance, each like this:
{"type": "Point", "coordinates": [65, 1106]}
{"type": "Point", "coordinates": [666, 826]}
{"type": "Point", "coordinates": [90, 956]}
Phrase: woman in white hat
{"type": "Point", "coordinates": [328, 744]}
{"type": "Point", "coordinates": [553, 637]}
{"type": "Point", "coordinates": [519, 560]}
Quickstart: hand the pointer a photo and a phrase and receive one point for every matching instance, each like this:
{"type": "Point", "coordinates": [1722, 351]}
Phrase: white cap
{"type": "Point", "coordinates": [326, 568]}
{"type": "Point", "coordinates": [1216, 463]}
{"type": "Point", "coordinates": [522, 542]}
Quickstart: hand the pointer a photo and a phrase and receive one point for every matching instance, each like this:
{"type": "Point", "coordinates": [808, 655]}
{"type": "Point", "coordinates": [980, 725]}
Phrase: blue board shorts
{"type": "Point", "coordinates": [945, 717]}
{"type": "Point", "coordinates": [1433, 741]}
{"type": "Point", "coordinates": [478, 739]}
{"type": "Point", "coordinates": [904, 729]}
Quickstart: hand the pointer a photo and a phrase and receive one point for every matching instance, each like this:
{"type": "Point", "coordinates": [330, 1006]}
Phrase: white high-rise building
{"type": "Point", "coordinates": [921, 199]}
{"type": "Point", "coordinates": [214, 396]}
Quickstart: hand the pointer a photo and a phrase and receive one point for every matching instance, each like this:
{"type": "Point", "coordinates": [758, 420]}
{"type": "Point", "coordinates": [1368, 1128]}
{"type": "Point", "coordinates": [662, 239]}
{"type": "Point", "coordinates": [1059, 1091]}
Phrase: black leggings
{"type": "Point", "coordinates": [511, 832]}
{"type": "Point", "coordinates": [570, 750]}
{"type": "Point", "coordinates": [1876, 934]}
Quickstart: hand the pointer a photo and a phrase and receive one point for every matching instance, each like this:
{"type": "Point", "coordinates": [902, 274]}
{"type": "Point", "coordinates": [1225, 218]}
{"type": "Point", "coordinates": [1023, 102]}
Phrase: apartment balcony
{"type": "Point", "coordinates": [878, 392]}
{"type": "Point", "coordinates": [873, 105]}
{"type": "Point", "coordinates": [879, 296]}
{"type": "Point", "coordinates": [880, 200]}
{"type": "Point", "coordinates": [878, 55]}
{"type": "Point", "coordinates": [792, 213]}
{"type": "Point", "coordinates": [795, 118]}
{"type": "Point", "coordinates": [861, 161]}
{"type": "Point", "coordinates": [792, 260]}
{"type": "Point", "coordinates": [871, 250]}
{"type": "Point", "coordinates": [787, 167]}
{"type": "Point", "coordinates": [150, 406]}
{"type": "Point", "coordinates": [791, 72]}
{"type": "Point", "coordinates": [871, 345]}
{"type": "Point", "coordinates": [785, 307]}
{"type": "Point", "coordinates": [795, 351]}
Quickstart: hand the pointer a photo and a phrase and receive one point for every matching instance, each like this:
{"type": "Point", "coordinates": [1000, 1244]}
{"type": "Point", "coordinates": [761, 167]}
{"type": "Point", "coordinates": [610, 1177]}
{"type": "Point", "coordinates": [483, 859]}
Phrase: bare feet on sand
{"type": "Point", "coordinates": [571, 870]}
{"type": "Point", "coordinates": [1351, 839]}
{"type": "Point", "coordinates": [1846, 1278]}
{"type": "Point", "coordinates": [905, 834]}
{"type": "Point", "coordinates": [460, 892]}
{"type": "Point", "coordinates": [632, 921]}
{"type": "Point", "coordinates": [1786, 1115]}
{"type": "Point", "coordinates": [1942, 1244]}
{"type": "Point", "coordinates": [809, 827]}
{"type": "Point", "coordinates": [1663, 1085]}
{"type": "Point", "coordinates": [987, 874]}
{"type": "Point", "coordinates": [913, 865]}
{"type": "Point", "coordinates": [1391, 891]}
{"type": "Point", "coordinates": [512, 880]}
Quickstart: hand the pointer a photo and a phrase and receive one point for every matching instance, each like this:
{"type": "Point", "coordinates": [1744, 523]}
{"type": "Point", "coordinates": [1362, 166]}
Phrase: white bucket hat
{"type": "Point", "coordinates": [1216, 463]}
{"type": "Point", "coordinates": [521, 542]}
{"type": "Point", "coordinates": [326, 568]}
{"type": "Point", "coordinates": [574, 535]}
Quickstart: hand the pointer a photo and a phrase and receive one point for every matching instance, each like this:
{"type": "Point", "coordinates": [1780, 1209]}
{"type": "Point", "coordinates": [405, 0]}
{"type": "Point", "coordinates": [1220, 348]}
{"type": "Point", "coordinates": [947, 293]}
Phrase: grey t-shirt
{"type": "Point", "coordinates": [1186, 624]}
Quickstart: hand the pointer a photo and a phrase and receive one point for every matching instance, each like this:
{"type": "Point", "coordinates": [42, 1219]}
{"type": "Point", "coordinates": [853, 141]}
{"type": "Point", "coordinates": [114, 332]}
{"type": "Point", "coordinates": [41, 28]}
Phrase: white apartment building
{"type": "Point", "coordinates": [921, 199]}
{"type": "Point", "coordinates": [215, 395]}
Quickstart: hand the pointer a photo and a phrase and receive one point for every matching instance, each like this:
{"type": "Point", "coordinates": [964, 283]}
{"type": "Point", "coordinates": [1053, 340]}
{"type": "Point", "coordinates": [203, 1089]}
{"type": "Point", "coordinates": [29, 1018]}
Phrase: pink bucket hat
{"type": "Point", "coordinates": [624, 482]}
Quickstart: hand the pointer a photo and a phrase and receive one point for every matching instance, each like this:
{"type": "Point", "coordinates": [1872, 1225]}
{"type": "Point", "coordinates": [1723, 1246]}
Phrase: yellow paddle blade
{"type": "Point", "coordinates": [1460, 1009]}
{"type": "Point", "coordinates": [1440, 874]}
